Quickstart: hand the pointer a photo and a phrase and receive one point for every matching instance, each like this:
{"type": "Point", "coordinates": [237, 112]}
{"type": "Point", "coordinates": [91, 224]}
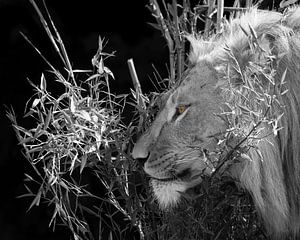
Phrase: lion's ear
{"type": "Point", "coordinates": [199, 48]}
{"type": "Point", "coordinates": [271, 43]}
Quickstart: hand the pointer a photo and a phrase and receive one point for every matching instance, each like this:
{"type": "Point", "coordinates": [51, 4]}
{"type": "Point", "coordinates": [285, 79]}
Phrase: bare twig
{"type": "Point", "coordinates": [136, 84]}
{"type": "Point", "coordinates": [155, 9]}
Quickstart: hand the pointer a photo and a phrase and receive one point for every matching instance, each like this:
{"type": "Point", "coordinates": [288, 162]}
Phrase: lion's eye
{"type": "Point", "coordinates": [179, 112]}
{"type": "Point", "coordinates": [181, 109]}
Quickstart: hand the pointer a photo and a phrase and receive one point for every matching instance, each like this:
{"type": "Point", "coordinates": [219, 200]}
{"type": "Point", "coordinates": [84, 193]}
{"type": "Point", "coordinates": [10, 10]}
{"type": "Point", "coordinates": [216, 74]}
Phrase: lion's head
{"type": "Point", "coordinates": [180, 146]}
{"type": "Point", "coordinates": [183, 134]}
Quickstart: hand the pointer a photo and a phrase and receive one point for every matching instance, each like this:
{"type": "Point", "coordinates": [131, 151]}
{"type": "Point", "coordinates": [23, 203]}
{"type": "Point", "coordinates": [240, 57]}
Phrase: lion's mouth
{"type": "Point", "coordinates": [185, 174]}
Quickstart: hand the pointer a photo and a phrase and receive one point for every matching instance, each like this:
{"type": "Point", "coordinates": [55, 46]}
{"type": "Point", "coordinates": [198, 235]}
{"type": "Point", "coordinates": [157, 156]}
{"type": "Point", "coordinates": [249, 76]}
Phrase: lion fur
{"type": "Point", "coordinates": [273, 178]}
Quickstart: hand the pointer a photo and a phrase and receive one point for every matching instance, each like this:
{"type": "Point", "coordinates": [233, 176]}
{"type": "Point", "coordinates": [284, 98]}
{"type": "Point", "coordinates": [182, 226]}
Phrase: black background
{"type": "Point", "coordinates": [123, 23]}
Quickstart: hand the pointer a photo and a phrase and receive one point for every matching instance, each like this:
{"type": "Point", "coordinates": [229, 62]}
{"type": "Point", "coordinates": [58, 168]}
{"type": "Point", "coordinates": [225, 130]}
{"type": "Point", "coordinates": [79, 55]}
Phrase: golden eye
{"type": "Point", "coordinates": [181, 109]}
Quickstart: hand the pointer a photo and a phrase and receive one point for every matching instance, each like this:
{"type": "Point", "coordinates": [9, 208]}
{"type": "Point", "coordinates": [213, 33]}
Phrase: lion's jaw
{"type": "Point", "coordinates": [168, 190]}
{"type": "Point", "coordinates": [168, 193]}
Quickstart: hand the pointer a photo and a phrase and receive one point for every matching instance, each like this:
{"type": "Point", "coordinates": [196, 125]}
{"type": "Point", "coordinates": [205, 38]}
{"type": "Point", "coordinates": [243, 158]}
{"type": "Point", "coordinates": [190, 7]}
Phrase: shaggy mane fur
{"type": "Point", "coordinates": [272, 177]}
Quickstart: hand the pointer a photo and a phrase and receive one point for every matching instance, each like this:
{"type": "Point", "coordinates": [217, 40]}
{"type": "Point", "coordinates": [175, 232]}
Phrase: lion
{"type": "Point", "coordinates": [180, 146]}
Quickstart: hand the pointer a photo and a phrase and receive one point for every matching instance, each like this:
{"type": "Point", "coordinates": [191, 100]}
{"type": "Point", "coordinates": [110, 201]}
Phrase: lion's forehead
{"type": "Point", "coordinates": [198, 81]}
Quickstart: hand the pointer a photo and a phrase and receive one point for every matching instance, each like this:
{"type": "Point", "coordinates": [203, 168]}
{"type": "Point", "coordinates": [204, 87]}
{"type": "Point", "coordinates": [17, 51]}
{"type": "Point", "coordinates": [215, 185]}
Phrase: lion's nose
{"type": "Point", "coordinates": [140, 151]}
{"type": "Point", "coordinates": [141, 161]}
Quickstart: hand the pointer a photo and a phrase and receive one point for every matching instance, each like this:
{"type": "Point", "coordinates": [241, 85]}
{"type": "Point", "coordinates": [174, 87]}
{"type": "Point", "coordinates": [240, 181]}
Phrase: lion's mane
{"type": "Point", "coordinates": [273, 176]}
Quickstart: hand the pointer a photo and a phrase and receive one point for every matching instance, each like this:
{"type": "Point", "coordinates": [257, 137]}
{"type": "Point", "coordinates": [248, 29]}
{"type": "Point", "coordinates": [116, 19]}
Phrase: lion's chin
{"type": "Point", "coordinates": [168, 193]}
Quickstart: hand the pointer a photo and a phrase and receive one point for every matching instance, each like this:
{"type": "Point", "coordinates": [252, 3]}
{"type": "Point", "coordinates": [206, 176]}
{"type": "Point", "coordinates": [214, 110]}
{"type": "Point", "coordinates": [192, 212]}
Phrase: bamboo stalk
{"type": "Point", "coordinates": [220, 14]}
{"type": "Point", "coordinates": [177, 39]}
{"type": "Point", "coordinates": [248, 3]}
{"type": "Point", "coordinates": [208, 21]}
{"type": "Point", "coordinates": [235, 13]}
{"type": "Point", "coordinates": [236, 3]}
{"type": "Point", "coordinates": [186, 7]}
{"type": "Point", "coordinates": [136, 84]}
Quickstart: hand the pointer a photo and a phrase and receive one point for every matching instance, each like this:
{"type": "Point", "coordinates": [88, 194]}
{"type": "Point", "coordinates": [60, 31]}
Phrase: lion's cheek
{"type": "Point", "coordinates": [203, 166]}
